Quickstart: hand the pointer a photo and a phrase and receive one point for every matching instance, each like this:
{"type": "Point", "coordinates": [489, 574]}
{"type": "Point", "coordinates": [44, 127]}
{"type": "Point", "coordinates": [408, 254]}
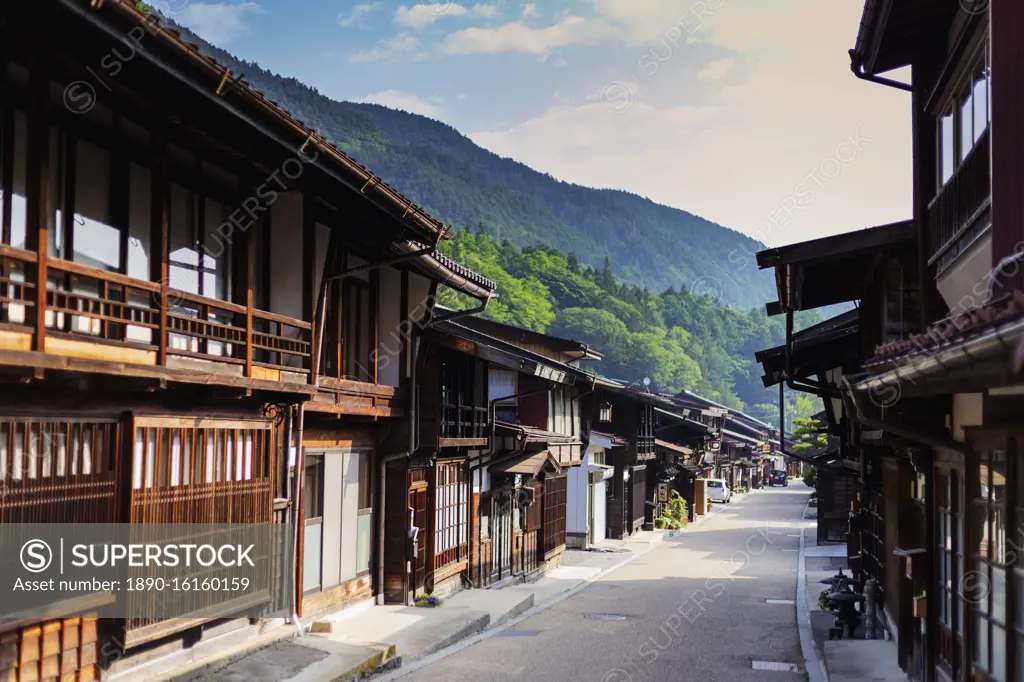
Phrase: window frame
{"type": "Point", "coordinates": [962, 91]}
{"type": "Point", "coordinates": [985, 440]}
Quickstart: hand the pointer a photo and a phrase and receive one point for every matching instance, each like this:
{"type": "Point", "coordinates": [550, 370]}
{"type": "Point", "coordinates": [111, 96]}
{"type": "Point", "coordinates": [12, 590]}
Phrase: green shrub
{"type": "Point", "coordinates": [810, 477]}
{"type": "Point", "coordinates": [823, 602]}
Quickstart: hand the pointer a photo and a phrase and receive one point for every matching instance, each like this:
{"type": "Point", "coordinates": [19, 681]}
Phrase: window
{"type": "Point", "coordinates": [364, 523]}
{"type": "Point", "coordinates": [13, 160]}
{"type": "Point", "coordinates": [554, 512]}
{"type": "Point", "coordinates": [987, 592]}
{"type": "Point", "coordinates": [604, 413]}
{"type": "Point", "coordinates": [949, 517]}
{"type": "Point", "coordinates": [451, 534]}
{"type": "Point", "coordinates": [313, 510]}
{"type": "Point", "coordinates": [964, 121]}
{"type": "Point", "coordinates": [501, 383]}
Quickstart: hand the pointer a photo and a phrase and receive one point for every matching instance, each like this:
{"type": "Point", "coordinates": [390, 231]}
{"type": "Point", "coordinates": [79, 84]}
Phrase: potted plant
{"type": "Point", "coordinates": [428, 601]}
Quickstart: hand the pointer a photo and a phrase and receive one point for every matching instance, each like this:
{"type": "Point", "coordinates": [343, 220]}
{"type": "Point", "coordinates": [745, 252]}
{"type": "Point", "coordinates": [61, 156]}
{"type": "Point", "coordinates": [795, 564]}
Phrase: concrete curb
{"type": "Point", "coordinates": [817, 673]}
{"type": "Point", "coordinates": [478, 624]}
{"type": "Point", "coordinates": [382, 661]}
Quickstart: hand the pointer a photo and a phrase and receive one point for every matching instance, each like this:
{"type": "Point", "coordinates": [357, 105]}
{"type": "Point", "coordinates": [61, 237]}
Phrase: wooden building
{"type": "Point", "coordinates": [518, 474]}
{"type": "Point", "coordinates": [207, 314]}
{"type": "Point", "coordinates": [929, 410]}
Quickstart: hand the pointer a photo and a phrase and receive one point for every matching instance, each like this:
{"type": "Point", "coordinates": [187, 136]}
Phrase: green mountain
{"type": "Point", "coordinates": [462, 184]}
{"type": "Point", "coordinates": [661, 292]}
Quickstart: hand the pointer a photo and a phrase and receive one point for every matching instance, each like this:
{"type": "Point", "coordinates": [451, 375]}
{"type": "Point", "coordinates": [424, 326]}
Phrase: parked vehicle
{"type": "Point", "coordinates": [718, 491]}
{"type": "Point", "coordinates": [779, 478]}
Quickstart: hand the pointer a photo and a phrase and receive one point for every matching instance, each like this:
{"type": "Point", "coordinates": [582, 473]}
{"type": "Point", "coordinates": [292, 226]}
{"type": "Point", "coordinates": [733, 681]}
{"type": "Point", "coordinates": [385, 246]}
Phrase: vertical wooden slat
{"type": "Point", "coordinates": [405, 325]}
{"type": "Point", "coordinates": [309, 269]}
{"type": "Point", "coordinates": [37, 206]}
{"type": "Point", "coordinates": [6, 152]}
{"type": "Point", "coordinates": [375, 323]}
{"type": "Point", "coordinates": [160, 234]}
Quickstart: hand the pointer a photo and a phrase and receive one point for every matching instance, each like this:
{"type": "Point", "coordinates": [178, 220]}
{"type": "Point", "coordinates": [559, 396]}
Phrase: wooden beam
{"type": "Point", "coordinates": [309, 290]}
{"type": "Point", "coordinates": [405, 326]}
{"type": "Point", "coordinates": [37, 205]}
{"type": "Point", "coordinates": [6, 152]}
{"type": "Point", "coordinates": [375, 322]}
{"type": "Point", "coordinates": [159, 239]}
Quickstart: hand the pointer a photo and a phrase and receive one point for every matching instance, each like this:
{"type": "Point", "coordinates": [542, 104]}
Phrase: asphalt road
{"type": "Point", "coordinates": [692, 609]}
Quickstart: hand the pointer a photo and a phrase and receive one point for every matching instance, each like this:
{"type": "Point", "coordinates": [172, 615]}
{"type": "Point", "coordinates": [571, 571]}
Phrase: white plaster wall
{"type": "Point", "coordinates": [391, 338]}
{"type": "Point", "coordinates": [286, 255]}
{"type": "Point", "coordinates": [967, 411]}
{"type": "Point", "coordinates": [964, 285]}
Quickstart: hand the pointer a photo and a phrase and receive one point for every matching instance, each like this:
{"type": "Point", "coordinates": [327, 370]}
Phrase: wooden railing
{"type": "Point", "coordinates": [463, 421]}
{"type": "Point", "coordinates": [87, 304]}
{"type": "Point", "coordinates": [960, 202]}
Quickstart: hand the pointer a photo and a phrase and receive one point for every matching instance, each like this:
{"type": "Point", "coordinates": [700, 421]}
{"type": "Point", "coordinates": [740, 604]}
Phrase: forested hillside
{"type": "Point", "coordinates": [570, 260]}
{"type": "Point", "coordinates": [463, 184]}
{"type": "Point", "coordinates": [675, 338]}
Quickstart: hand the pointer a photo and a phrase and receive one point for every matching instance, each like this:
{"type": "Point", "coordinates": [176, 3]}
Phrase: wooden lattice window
{"type": "Point", "coordinates": [554, 512]}
{"type": "Point", "coordinates": [451, 509]}
{"type": "Point", "coordinates": [57, 471]}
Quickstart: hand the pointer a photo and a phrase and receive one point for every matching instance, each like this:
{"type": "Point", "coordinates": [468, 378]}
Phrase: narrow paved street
{"type": "Point", "coordinates": [694, 608]}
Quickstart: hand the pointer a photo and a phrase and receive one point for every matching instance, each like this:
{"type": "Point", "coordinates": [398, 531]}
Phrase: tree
{"type": "Point", "coordinates": [574, 262]}
{"type": "Point", "coordinates": [807, 435]}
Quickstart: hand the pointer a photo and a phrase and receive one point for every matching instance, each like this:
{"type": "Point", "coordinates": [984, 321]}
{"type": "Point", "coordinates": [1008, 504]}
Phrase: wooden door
{"type": "Point", "coordinates": [418, 506]}
{"type": "Point", "coordinates": [396, 529]}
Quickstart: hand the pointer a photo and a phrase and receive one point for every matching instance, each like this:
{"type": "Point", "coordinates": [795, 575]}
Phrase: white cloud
{"type": "Point", "coordinates": [404, 101]}
{"type": "Point", "coordinates": [422, 15]}
{"type": "Point", "coordinates": [740, 153]}
{"type": "Point", "coordinates": [530, 10]}
{"type": "Point", "coordinates": [218, 22]}
{"type": "Point", "coordinates": [559, 63]}
{"type": "Point", "coordinates": [517, 37]}
{"type": "Point", "coordinates": [487, 10]}
{"type": "Point", "coordinates": [717, 70]}
{"type": "Point", "coordinates": [402, 44]}
{"type": "Point", "coordinates": [352, 17]}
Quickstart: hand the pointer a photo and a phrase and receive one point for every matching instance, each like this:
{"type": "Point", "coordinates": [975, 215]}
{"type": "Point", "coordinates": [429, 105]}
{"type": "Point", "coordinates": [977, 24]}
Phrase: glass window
{"type": "Point", "coordinates": [966, 122]}
{"type": "Point", "coordinates": [97, 242]}
{"type": "Point", "coordinates": [14, 234]}
{"type": "Point", "coordinates": [980, 102]}
{"type": "Point", "coordinates": [986, 589]}
{"type": "Point", "coordinates": [313, 509]}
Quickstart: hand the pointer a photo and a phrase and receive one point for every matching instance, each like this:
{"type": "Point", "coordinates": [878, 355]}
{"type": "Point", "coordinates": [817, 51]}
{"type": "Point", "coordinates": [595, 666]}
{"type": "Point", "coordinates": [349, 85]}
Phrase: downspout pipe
{"type": "Point", "coordinates": [857, 68]}
{"type": "Point", "coordinates": [300, 460]}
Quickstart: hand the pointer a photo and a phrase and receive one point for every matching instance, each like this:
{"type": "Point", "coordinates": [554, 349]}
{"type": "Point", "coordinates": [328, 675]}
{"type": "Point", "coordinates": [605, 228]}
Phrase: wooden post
{"type": "Point", "coordinates": [1006, 26]}
{"type": "Point", "coordinates": [6, 153]}
{"type": "Point", "coordinates": [375, 322]}
{"type": "Point", "coordinates": [37, 206]}
{"type": "Point", "coordinates": [406, 326]}
{"type": "Point", "coordinates": [309, 290]}
{"type": "Point", "coordinates": [159, 240]}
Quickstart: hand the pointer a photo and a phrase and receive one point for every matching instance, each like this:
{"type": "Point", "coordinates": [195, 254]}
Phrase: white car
{"type": "Point", "coordinates": [718, 490]}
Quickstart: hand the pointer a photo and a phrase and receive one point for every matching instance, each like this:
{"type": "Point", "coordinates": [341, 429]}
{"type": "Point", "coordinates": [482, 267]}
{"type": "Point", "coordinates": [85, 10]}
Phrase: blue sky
{"type": "Point", "coordinates": [726, 108]}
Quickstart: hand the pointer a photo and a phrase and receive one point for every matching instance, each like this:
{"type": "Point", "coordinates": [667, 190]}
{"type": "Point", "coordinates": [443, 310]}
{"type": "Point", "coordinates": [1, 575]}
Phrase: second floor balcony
{"type": "Point", "coordinates": [92, 320]}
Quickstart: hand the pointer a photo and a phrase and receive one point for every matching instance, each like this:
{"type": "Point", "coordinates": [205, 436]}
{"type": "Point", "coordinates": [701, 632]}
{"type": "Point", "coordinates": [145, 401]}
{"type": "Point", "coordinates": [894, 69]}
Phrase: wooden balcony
{"type": "Point", "coordinates": [91, 320]}
{"type": "Point", "coordinates": [953, 215]}
{"type": "Point", "coordinates": [463, 425]}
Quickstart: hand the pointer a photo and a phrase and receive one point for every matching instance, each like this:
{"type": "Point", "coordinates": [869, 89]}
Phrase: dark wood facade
{"type": "Point", "coordinates": [205, 310]}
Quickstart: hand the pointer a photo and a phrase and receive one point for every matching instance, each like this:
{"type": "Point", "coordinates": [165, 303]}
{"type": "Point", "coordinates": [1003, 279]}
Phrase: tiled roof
{"type": "Point", "coordinates": [954, 329]}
